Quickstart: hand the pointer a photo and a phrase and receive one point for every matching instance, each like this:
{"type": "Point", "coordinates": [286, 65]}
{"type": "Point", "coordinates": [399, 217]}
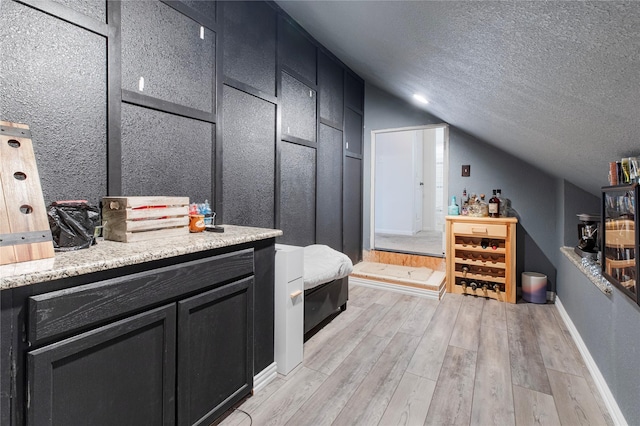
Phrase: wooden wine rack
{"type": "Point", "coordinates": [481, 253]}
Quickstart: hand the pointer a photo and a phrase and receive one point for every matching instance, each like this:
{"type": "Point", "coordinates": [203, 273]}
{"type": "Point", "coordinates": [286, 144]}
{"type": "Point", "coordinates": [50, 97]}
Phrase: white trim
{"type": "Point", "coordinates": [394, 232]}
{"type": "Point", "coordinates": [264, 377]}
{"type": "Point", "coordinates": [372, 195]}
{"type": "Point", "coordinates": [601, 384]}
{"type": "Point", "coordinates": [398, 288]}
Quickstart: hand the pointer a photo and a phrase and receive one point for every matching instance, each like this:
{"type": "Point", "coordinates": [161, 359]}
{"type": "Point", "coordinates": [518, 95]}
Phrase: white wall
{"type": "Point", "coordinates": [394, 182]}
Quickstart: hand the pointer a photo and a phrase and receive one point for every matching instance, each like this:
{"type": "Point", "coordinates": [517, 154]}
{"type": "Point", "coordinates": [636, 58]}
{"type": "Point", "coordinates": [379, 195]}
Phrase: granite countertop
{"type": "Point", "coordinates": [110, 254]}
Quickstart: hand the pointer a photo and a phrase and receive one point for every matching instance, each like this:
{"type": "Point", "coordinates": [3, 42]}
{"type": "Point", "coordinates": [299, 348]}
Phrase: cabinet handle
{"type": "Point", "coordinates": [479, 230]}
{"type": "Point", "coordinates": [295, 294]}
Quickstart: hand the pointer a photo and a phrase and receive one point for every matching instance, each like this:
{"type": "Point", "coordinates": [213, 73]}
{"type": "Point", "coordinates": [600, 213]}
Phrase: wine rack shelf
{"type": "Point", "coordinates": [481, 255]}
{"type": "Point", "coordinates": [620, 237]}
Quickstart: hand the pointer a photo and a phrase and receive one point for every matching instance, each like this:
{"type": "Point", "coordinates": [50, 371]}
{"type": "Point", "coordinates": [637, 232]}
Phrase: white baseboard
{"type": "Point", "coordinates": [394, 232]}
{"type": "Point", "coordinates": [398, 288]}
{"type": "Point", "coordinates": [601, 384]}
{"type": "Point", "coordinates": [263, 378]}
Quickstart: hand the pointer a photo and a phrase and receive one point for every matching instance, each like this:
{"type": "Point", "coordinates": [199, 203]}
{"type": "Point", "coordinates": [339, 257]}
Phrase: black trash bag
{"type": "Point", "coordinates": [73, 224]}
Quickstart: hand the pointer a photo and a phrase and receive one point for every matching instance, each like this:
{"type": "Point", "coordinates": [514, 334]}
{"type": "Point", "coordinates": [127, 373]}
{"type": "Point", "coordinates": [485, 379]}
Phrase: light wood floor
{"type": "Point", "coordinates": [392, 359]}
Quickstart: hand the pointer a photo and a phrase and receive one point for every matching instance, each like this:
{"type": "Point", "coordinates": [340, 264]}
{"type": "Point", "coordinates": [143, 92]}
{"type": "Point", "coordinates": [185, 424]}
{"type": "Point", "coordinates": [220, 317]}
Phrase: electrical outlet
{"type": "Point", "coordinates": [466, 170]}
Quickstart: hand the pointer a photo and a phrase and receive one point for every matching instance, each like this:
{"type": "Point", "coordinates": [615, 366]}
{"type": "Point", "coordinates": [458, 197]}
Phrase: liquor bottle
{"type": "Point", "coordinates": [454, 209]}
{"type": "Point", "coordinates": [505, 203]}
{"type": "Point", "coordinates": [494, 205]}
{"type": "Point", "coordinates": [484, 207]}
{"type": "Point", "coordinates": [464, 203]}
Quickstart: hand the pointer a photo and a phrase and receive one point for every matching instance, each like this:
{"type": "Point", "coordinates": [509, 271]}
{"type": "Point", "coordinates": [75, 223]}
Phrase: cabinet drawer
{"type": "Point", "coordinates": [62, 312]}
{"type": "Point", "coordinates": [480, 229]}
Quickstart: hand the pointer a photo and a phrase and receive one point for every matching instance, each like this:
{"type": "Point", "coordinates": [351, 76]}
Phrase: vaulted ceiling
{"type": "Point", "coordinates": [556, 83]}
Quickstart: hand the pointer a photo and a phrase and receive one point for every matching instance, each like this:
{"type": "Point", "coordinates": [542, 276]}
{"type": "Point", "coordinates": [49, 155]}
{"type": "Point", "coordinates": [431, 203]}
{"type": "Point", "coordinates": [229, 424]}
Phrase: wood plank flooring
{"type": "Point", "coordinates": [392, 359]}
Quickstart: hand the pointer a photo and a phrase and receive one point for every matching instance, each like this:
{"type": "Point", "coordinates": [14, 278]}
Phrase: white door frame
{"type": "Point", "coordinates": [374, 133]}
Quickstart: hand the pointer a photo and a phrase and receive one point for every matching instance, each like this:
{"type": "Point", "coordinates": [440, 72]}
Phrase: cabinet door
{"type": "Point", "coordinates": [119, 374]}
{"type": "Point", "coordinates": [331, 90]}
{"type": "Point", "coordinates": [353, 131]}
{"type": "Point", "coordinates": [215, 352]}
{"type": "Point", "coordinates": [297, 194]}
{"type": "Point", "coordinates": [352, 209]}
{"type": "Point", "coordinates": [296, 51]}
{"type": "Point", "coordinates": [298, 110]}
{"type": "Point", "coordinates": [329, 188]}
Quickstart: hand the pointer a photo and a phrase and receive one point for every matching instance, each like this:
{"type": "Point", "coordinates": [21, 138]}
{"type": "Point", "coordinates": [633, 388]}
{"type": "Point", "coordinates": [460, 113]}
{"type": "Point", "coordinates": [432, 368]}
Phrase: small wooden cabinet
{"type": "Point", "coordinates": [481, 255]}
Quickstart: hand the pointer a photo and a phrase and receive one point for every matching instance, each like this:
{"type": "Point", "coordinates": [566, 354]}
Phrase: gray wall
{"type": "Point", "coordinates": [531, 191]}
{"type": "Point", "coordinates": [607, 324]}
{"type": "Point", "coordinates": [547, 208]}
{"type": "Point", "coordinates": [574, 202]}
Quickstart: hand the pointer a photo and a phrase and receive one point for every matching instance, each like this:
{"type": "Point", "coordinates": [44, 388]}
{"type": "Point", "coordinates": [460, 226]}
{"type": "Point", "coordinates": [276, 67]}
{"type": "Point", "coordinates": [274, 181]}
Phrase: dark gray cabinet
{"type": "Point", "coordinates": [329, 188]}
{"type": "Point", "coordinates": [331, 91]}
{"type": "Point", "coordinates": [248, 170]}
{"type": "Point", "coordinates": [166, 168]}
{"type": "Point", "coordinates": [298, 194]}
{"type": "Point", "coordinates": [298, 110]}
{"type": "Point", "coordinates": [296, 51]}
{"type": "Point", "coordinates": [352, 209]}
{"type": "Point", "coordinates": [250, 44]}
{"type": "Point", "coordinates": [214, 351]}
{"type": "Point", "coordinates": [172, 344]}
{"type": "Point", "coordinates": [119, 374]}
{"type": "Point", "coordinates": [354, 92]}
{"type": "Point", "coordinates": [174, 55]}
{"type": "Point", "coordinates": [353, 131]}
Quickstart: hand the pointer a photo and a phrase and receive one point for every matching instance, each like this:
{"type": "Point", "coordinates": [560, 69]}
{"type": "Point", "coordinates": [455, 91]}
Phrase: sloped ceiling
{"type": "Point", "coordinates": [554, 83]}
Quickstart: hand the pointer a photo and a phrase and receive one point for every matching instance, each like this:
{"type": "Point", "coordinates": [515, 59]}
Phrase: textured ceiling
{"type": "Point", "coordinates": [554, 83]}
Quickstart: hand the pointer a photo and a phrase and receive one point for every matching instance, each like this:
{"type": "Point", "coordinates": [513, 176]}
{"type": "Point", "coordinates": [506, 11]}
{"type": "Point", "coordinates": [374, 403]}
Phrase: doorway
{"type": "Point", "coordinates": [408, 190]}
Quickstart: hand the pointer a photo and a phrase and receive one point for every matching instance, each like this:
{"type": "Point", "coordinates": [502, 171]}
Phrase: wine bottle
{"type": "Point", "coordinates": [484, 243]}
{"type": "Point", "coordinates": [465, 270]}
{"type": "Point", "coordinates": [474, 285]}
{"type": "Point", "coordinates": [463, 283]}
{"type": "Point", "coordinates": [494, 245]}
{"type": "Point", "coordinates": [494, 206]}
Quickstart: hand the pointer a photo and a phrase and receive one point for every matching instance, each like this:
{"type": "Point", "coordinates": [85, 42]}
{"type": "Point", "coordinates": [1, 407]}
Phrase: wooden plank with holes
{"type": "Point", "coordinates": [24, 216]}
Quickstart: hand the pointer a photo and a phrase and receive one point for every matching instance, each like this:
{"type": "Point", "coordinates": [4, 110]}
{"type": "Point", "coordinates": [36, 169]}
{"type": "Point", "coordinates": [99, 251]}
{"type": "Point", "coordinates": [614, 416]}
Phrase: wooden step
{"type": "Point", "coordinates": [418, 277]}
{"type": "Point", "coordinates": [404, 259]}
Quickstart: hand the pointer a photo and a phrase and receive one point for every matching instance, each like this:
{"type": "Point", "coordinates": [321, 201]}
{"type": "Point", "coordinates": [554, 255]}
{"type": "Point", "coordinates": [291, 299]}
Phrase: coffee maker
{"type": "Point", "coordinates": [589, 236]}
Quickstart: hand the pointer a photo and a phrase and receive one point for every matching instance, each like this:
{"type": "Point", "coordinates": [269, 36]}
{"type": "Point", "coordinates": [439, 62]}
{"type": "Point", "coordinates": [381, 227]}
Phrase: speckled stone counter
{"type": "Point", "coordinates": [593, 274]}
{"type": "Point", "coordinates": [110, 254]}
